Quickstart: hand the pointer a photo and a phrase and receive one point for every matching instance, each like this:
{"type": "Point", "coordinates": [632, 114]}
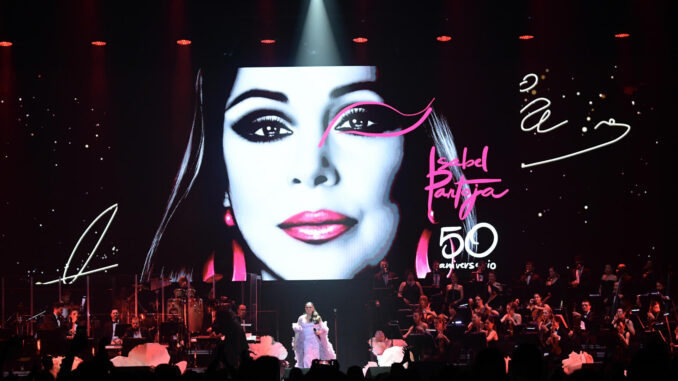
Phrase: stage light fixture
{"type": "Point", "coordinates": [268, 41]}
{"type": "Point", "coordinates": [443, 38]}
{"type": "Point", "coordinates": [622, 35]}
{"type": "Point", "coordinates": [317, 44]}
{"type": "Point", "coordinates": [183, 42]}
{"type": "Point", "coordinates": [98, 43]}
{"type": "Point", "coordinates": [360, 40]}
{"type": "Point", "coordinates": [526, 37]}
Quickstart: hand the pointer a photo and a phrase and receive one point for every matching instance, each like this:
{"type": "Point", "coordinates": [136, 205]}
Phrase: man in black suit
{"type": "Point", "coordinates": [580, 281]}
{"type": "Point", "coordinates": [135, 331]}
{"type": "Point", "coordinates": [52, 331]}
{"type": "Point", "coordinates": [241, 316]}
{"type": "Point", "coordinates": [384, 284]}
{"type": "Point", "coordinates": [436, 279]}
{"type": "Point", "coordinates": [530, 282]}
{"type": "Point", "coordinates": [110, 327]}
{"type": "Point", "coordinates": [384, 278]}
{"type": "Point", "coordinates": [589, 320]}
{"type": "Point", "coordinates": [53, 321]}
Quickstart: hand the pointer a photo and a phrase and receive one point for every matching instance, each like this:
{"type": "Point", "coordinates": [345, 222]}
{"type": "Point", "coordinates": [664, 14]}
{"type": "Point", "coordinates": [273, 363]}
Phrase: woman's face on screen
{"type": "Point", "coordinates": [310, 212]}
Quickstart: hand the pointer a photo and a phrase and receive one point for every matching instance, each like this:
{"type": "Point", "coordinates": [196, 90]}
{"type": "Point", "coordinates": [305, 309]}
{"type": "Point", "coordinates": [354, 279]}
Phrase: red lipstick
{"type": "Point", "coordinates": [317, 227]}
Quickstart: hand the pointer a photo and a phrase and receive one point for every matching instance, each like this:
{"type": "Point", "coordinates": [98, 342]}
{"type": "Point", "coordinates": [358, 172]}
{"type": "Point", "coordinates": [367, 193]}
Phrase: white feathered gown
{"type": "Point", "coordinates": [308, 346]}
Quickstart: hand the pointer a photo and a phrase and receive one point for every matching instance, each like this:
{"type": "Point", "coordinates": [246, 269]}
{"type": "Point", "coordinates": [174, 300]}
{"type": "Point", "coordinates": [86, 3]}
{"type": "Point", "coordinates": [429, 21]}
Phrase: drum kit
{"type": "Point", "coordinates": [186, 308]}
{"type": "Point", "coordinates": [189, 310]}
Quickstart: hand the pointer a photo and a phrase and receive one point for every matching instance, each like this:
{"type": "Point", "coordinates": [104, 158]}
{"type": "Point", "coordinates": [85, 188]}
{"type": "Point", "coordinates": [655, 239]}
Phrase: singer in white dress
{"type": "Point", "coordinates": [310, 338]}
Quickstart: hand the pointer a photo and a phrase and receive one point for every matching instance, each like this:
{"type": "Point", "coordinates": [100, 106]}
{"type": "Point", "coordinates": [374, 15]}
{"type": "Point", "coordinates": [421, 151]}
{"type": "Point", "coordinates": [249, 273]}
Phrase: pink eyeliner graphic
{"type": "Point", "coordinates": [239, 269]}
{"type": "Point", "coordinates": [424, 114]}
{"type": "Point", "coordinates": [317, 227]}
{"type": "Point", "coordinates": [421, 262]}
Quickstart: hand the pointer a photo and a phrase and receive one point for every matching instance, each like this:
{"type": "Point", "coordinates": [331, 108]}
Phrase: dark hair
{"type": "Point", "coordinates": [315, 316]}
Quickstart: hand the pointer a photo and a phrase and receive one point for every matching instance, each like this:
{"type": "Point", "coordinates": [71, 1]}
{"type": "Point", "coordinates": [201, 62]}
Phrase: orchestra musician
{"type": "Point", "coordinates": [418, 326]}
{"type": "Point", "coordinates": [384, 278]}
{"type": "Point", "coordinates": [589, 320]}
{"type": "Point", "coordinates": [73, 322]}
{"type": "Point", "coordinates": [536, 305]}
{"type": "Point", "coordinates": [530, 281]}
{"type": "Point", "coordinates": [111, 330]}
{"type": "Point", "coordinates": [52, 331]}
{"type": "Point", "coordinates": [580, 280]}
{"type": "Point", "coordinates": [241, 316]}
{"type": "Point", "coordinates": [454, 292]}
{"type": "Point", "coordinates": [554, 287]}
{"type": "Point", "coordinates": [410, 290]}
{"type": "Point", "coordinates": [53, 321]}
{"type": "Point", "coordinates": [135, 331]}
{"type": "Point", "coordinates": [654, 314]}
{"type": "Point", "coordinates": [435, 278]}
{"type": "Point", "coordinates": [511, 318]}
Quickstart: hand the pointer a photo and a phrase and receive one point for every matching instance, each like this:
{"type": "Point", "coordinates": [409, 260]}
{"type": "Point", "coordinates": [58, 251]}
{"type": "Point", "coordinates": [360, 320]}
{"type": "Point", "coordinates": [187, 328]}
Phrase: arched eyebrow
{"type": "Point", "coordinates": [351, 87]}
{"type": "Point", "coordinates": [258, 93]}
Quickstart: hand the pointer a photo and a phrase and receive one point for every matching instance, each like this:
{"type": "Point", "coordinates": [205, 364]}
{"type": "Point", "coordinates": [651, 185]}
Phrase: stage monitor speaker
{"type": "Point", "coordinates": [375, 371]}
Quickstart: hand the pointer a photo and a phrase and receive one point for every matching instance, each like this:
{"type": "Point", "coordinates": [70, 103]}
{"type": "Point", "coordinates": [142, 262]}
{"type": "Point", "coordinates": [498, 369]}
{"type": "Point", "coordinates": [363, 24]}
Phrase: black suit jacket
{"type": "Point", "coordinates": [585, 279]}
{"type": "Point", "coordinates": [52, 323]}
{"type": "Point", "coordinates": [129, 334]}
{"type": "Point", "coordinates": [428, 280]}
{"type": "Point", "coordinates": [591, 322]}
{"type": "Point", "coordinates": [378, 280]}
{"type": "Point", "coordinates": [107, 330]}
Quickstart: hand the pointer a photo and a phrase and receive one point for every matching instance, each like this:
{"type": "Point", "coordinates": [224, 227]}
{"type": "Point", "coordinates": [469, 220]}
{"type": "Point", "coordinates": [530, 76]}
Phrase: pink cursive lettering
{"type": "Point", "coordinates": [464, 197]}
